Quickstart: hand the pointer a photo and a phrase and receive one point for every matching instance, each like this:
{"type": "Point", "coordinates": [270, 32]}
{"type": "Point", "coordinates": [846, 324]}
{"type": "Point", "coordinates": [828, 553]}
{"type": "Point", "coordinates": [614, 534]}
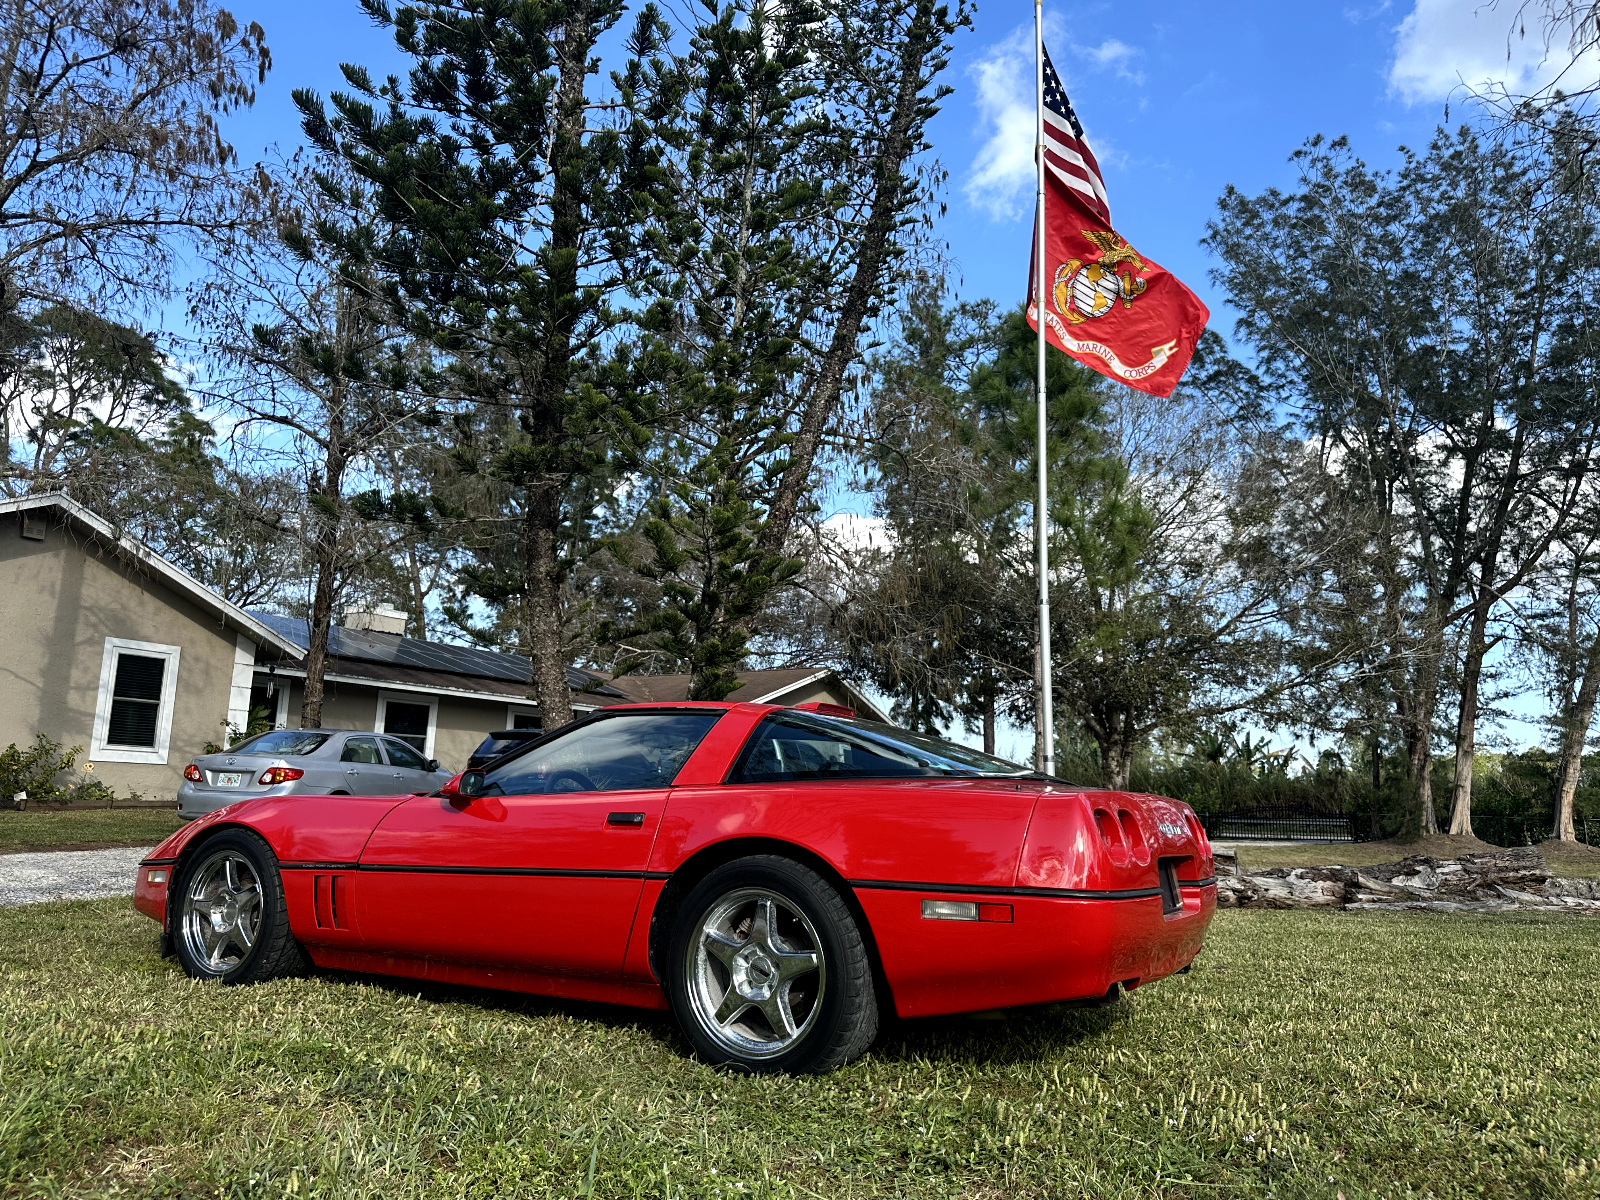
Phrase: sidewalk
{"type": "Point", "coordinates": [35, 877]}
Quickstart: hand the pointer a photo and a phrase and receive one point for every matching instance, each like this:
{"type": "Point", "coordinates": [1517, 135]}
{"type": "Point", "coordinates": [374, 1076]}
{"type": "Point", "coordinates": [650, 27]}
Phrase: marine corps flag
{"type": "Point", "coordinates": [1105, 304]}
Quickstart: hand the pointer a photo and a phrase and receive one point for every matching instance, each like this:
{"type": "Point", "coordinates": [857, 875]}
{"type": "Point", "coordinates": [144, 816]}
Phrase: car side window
{"type": "Point", "coordinates": [620, 753]}
{"type": "Point", "coordinates": [790, 747]}
{"type": "Point", "coordinates": [402, 755]}
{"type": "Point", "coordinates": [361, 750]}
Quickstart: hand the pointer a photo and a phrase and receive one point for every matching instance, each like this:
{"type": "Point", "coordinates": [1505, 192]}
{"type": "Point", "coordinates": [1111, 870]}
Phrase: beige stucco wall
{"type": "Point", "coordinates": [60, 599]}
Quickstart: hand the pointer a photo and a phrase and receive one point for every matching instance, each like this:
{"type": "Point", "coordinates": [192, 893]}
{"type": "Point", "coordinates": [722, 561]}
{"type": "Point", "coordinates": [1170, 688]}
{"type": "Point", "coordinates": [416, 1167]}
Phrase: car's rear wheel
{"type": "Point", "coordinates": [768, 970]}
{"type": "Point", "coordinates": [231, 920]}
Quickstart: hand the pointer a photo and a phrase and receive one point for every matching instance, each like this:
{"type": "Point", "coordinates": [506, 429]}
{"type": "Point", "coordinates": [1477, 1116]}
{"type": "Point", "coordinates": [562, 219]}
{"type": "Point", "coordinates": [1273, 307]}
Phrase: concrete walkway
{"type": "Point", "coordinates": [68, 874]}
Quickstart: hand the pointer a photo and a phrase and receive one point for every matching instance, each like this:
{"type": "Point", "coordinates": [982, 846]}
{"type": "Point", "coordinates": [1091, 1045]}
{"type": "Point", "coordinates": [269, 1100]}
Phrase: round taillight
{"type": "Point", "coordinates": [192, 773]}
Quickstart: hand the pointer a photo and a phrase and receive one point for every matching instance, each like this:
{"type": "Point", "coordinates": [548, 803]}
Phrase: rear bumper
{"type": "Point", "coordinates": [196, 800]}
{"type": "Point", "coordinates": [1053, 948]}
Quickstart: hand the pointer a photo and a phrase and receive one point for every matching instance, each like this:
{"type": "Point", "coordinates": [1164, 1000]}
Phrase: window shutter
{"type": "Point", "coordinates": [135, 700]}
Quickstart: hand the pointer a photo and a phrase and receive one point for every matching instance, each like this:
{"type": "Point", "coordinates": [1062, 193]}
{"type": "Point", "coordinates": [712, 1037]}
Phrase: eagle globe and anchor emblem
{"type": "Point", "coordinates": [1088, 288]}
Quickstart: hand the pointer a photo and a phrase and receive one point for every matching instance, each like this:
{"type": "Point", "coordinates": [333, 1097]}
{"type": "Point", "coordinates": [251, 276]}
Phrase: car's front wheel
{"type": "Point", "coordinates": [767, 970]}
{"type": "Point", "coordinates": [231, 921]}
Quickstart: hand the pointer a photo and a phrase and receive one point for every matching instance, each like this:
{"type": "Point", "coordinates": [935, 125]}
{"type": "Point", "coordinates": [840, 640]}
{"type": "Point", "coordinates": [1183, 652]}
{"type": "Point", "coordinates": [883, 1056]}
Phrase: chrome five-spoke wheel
{"type": "Point", "coordinates": [220, 920]}
{"type": "Point", "coordinates": [756, 973]}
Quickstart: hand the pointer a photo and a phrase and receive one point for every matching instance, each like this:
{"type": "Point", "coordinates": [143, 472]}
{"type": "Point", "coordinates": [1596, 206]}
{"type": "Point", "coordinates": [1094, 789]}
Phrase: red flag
{"type": "Point", "coordinates": [1106, 305]}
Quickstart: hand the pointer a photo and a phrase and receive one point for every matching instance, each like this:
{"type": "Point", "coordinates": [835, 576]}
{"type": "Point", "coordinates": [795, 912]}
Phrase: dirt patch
{"type": "Point", "coordinates": [1437, 845]}
{"type": "Point", "coordinates": [1551, 848]}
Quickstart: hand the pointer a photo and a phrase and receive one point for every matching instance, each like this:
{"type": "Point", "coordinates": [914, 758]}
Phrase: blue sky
{"type": "Point", "coordinates": [1179, 99]}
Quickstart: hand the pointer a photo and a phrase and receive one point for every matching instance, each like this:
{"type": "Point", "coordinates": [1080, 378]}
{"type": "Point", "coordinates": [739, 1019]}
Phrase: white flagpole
{"type": "Point", "coordinates": [1041, 515]}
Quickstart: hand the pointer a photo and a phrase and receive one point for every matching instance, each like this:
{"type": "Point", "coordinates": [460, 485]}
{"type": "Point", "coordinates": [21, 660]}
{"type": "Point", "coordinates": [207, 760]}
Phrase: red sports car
{"type": "Point", "coordinates": [771, 875]}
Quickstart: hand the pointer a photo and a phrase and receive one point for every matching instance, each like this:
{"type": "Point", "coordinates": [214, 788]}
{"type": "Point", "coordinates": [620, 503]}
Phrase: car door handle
{"type": "Point", "coordinates": [625, 820]}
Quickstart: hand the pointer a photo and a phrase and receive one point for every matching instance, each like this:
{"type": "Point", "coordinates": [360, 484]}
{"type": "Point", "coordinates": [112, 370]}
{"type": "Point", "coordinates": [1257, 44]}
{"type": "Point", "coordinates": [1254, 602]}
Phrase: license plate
{"type": "Point", "coordinates": [229, 778]}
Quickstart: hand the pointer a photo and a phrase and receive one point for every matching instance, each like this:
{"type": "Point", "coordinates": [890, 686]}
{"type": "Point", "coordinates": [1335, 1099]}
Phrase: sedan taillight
{"type": "Point", "coordinates": [192, 773]}
{"type": "Point", "coordinates": [280, 775]}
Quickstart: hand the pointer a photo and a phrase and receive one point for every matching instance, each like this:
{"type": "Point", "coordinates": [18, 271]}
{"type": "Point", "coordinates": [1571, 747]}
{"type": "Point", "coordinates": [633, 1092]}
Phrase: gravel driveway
{"type": "Point", "coordinates": [68, 874]}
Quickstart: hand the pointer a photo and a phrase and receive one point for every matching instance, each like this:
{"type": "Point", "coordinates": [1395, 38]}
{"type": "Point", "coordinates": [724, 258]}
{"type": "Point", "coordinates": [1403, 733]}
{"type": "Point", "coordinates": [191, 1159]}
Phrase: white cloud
{"type": "Point", "coordinates": [854, 532]}
{"type": "Point", "coordinates": [1445, 45]}
{"type": "Point", "coordinates": [1003, 170]}
{"type": "Point", "coordinates": [1116, 55]}
{"type": "Point", "coordinates": [1000, 181]}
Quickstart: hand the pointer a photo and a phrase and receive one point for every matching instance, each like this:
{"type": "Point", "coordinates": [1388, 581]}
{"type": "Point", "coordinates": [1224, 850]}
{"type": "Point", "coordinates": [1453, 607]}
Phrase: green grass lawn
{"type": "Point", "coordinates": [44, 829]}
{"type": "Point", "coordinates": [1308, 1054]}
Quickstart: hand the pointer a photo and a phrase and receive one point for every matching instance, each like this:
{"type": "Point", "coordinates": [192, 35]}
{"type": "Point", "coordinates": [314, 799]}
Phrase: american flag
{"type": "Point", "coordinates": [1066, 150]}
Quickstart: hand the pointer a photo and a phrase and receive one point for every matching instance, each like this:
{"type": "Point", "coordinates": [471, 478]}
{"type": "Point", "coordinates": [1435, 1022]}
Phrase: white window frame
{"type": "Point", "coordinates": [408, 698]}
{"type": "Point", "coordinates": [513, 711]}
{"type": "Point", "coordinates": [156, 755]}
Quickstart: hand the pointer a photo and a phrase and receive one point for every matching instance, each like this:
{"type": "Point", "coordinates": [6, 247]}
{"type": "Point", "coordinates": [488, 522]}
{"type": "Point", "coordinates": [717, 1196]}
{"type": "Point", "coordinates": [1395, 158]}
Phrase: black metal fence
{"type": "Point", "coordinates": [1276, 825]}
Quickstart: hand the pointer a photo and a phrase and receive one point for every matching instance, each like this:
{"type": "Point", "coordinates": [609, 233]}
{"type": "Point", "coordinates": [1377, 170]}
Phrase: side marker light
{"type": "Point", "coordinates": [157, 877]}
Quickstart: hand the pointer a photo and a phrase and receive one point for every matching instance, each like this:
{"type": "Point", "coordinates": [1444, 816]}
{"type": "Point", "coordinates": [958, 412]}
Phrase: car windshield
{"type": "Point", "coordinates": [612, 754]}
{"type": "Point", "coordinates": [794, 745]}
{"type": "Point", "coordinates": [287, 743]}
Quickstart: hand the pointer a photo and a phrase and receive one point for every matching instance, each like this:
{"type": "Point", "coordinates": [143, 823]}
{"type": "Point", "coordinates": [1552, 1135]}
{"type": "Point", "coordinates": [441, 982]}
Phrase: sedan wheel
{"type": "Point", "coordinates": [770, 971]}
{"type": "Point", "coordinates": [229, 913]}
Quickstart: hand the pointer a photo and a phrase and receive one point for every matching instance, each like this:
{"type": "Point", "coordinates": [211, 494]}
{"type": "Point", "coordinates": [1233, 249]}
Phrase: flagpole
{"type": "Point", "coordinates": [1041, 514]}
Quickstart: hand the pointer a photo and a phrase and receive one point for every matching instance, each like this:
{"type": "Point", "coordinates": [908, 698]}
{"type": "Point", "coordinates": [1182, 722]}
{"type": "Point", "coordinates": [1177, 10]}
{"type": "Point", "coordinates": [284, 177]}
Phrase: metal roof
{"type": "Point", "coordinates": [396, 650]}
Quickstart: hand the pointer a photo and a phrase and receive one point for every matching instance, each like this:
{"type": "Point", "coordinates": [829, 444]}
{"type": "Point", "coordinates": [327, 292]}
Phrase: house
{"type": "Point", "coordinates": [110, 647]}
{"type": "Point", "coordinates": [106, 645]}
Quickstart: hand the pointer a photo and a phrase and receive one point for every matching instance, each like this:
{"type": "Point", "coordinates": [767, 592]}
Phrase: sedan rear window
{"type": "Point", "coordinates": [794, 746]}
{"type": "Point", "coordinates": [286, 743]}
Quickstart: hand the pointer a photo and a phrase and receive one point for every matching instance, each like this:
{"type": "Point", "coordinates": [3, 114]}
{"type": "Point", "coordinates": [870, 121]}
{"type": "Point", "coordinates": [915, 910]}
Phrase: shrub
{"type": "Point", "coordinates": [39, 769]}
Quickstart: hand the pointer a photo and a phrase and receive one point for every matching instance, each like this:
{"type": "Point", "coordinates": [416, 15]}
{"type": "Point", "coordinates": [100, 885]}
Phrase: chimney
{"type": "Point", "coordinates": [376, 618]}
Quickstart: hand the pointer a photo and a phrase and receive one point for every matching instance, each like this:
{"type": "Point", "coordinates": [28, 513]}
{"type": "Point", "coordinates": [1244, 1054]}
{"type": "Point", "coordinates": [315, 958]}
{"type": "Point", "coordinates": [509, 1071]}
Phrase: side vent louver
{"type": "Point", "coordinates": [328, 894]}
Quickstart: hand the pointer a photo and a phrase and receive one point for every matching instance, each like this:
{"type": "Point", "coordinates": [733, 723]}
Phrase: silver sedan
{"type": "Point", "coordinates": [307, 762]}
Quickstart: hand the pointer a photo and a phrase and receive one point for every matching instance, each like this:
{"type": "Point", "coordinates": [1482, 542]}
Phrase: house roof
{"type": "Point", "coordinates": [757, 687]}
{"type": "Point", "coordinates": [371, 654]}
{"type": "Point", "coordinates": [174, 577]}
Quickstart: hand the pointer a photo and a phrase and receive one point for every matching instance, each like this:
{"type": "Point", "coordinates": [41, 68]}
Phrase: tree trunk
{"type": "Point", "coordinates": [1574, 736]}
{"type": "Point", "coordinates": [325, 565]}
{"type": "Point", "coordinates": [1467, 722]}
{"type": "Point", "coordinates": [888, 197]}
{"type": "Point", "coordinates": [988, 723]}
{"type": "Point", "coordinates": [1377, 787]}
{"type": "Point", "coordinates": [542, 605]}
{"type": "Point", "coordinates": [542, 571]}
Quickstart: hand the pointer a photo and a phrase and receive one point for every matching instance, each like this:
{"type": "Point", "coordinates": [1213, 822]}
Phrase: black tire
{"type": "Point", "coordinates": [219, 933]}
{"type": "Point", "coordinates": [831, 1010]}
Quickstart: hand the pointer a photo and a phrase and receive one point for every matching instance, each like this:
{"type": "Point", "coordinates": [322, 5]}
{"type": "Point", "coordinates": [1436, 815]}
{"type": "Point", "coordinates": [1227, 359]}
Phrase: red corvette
{"type": "Point", "coordinates": [771, 875]}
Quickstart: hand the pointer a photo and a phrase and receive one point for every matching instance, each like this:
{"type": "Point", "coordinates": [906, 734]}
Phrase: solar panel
{"type": "Point", "coordinates": [399, 651]}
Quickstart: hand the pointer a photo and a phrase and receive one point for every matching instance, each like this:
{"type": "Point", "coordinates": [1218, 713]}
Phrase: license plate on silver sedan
{"type": "Point", "coordinates": [230, 778]}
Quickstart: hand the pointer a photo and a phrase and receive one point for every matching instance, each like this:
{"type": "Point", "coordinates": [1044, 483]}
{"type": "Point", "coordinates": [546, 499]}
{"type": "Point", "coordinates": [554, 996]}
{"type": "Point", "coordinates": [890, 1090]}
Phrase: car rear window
{"type": "Point", "coordinates": [493, 747]}
{"type": "Point", "coordinates": [286, 743]}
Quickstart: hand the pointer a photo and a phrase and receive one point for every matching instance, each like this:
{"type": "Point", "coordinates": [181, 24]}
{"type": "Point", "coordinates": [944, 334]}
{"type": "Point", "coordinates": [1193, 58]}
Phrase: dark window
{"type": "Point", "coordinates": [287, 743]}
{"type": "Point", "coordinates": [636, 750]}
{"type": "Point", "coordinates": [527, 721]}
{"type": "Point", "coordinates": [135, 700]}
{"type": "Point", "coordinates": [408, 722]}
{"type": "Point", "coordinates": [795, 746]}
{"type": "Point", "coordinates": [402, 755]}
{"type": "Point", "coordinates": [361, 750]}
